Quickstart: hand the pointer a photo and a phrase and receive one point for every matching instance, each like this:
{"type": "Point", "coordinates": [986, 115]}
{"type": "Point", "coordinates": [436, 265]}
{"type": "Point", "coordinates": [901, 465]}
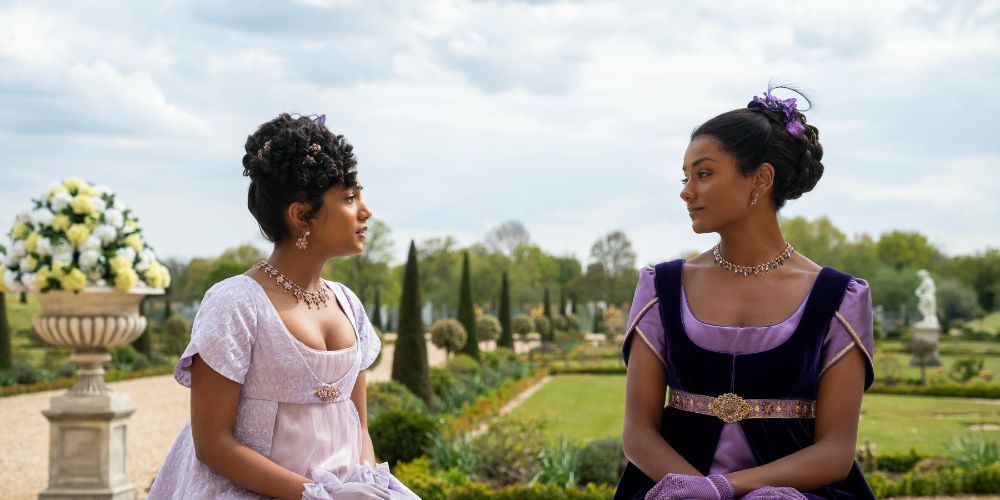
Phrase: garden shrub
{"type": "Point", "coordinates": [543, 326]}
{"type": "Point", "coordinates": [402, 435]}
{"type": "Point", "coordinates": [174, 335]}
{"type": "Point", "coordinates": [974, 450]}
{"type": "Point", "coordinates": [392, 396]}
{"type": "Point", "coordinates": [602, 461]}
{"type": "Point", "coordinates": [463, 364]}
{"type": "Point", "coordinates": [448, 334]}
{"type": "Point", "coordinates": [899, 462]}
{"type": "Point", "coordinates": [487, 327]}
{"type": "Point", "coordinates": [966, 369]}
{"type": "Point", "coordinates": [128, 358]}
{"type": "Point", "coordinates": [558, 465]}
{"type": "Point", "coordinates": [522, 324]}
{"type": "Point", "coordinates": [22, 372]}
{"type": "Point", "coordinates": [453, 454]}
{"type": "Point", "coordinates": [509, 452]}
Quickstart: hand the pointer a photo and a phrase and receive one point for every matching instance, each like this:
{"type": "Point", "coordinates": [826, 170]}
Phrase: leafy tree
{"type": "Point", "coordinates": [819, 240]}
{"type": "Point", "coordinates": [506, 334]}
{"type": "Point", "coordinates": [546, 308]}
{"type": "Point", "coordinates": [409, 364]}
{"type": "Point", "coordinates": [449, 335]}
{"type": "Point", "coordinates": [893, 289]}
{"type": "Point", "coordinates": [467, 311]}
{"type": "Point", "coordinates": [901, 249]}
{"type": "Point", "coordinates": [955, 301]}
{"type": "Point", "coordinates": [506, 237]}
{"type": "Point", "coordinates": [440, 265]}
{"type": "Point", "coordinates": [370, 271]}
{"type": "Point", "coordinates": [982, 271]}
{"type": "Point", "coordinates": [487, 327]}
{"type": "Point", "coordinates": [142, 343]}
{"type": "Point", "coordinates": [616, 271]}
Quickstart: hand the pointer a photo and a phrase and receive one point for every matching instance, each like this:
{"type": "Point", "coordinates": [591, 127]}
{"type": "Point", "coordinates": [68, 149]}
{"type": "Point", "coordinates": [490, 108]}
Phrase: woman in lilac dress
{"type": "Point", "coordinates": [765, 354]}
{"type": "Point", "coordinates": [277, 355]}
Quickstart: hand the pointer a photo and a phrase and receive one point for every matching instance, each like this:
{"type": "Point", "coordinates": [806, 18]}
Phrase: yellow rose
{"type": "Point", "coordinates": [61, 222]}
{"type": "Point", "coordinates": [119, 264]}
{"type": "Point", "coordinates": [126, 280]}
{"type": "Point", "coordinates": [90, 222]}
{"type": "Point", "coordinates": [87, 189]}
{"type": "Point", "coordinates": [3, 283]}
{"type": "Point", "coordinates": [31, 262]}
{"type": "Point", "coordinates": [74, 280]}
{"type": "Point", "coordinates": [82, 204]}
{"type": "Point", "coordinates": [74, 183]}
{"type": "Point", "coordinates": [32, 242]}
{"type": "Point", "coordinates": [157, 276]}
{"type": "Point", "coordinates": [58, 268]}
{"type": "Point", "coordinates": [20, 230]}
{"type": "Point", "coordinates": [131, 224]}
{"type": "Point", "coordinates": [77, 234]}
{"type": "Point", "coordinates": [58, 188]}
{"type": "Point", "coordinates": [43, 273]}
{"type": "Point", "coordinates": [135, 241]}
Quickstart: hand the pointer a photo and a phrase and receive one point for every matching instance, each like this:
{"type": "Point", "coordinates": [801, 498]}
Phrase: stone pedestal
{"type": "Point", "coordinates": [88, 438]}
{"type": "Point", "coordinates": [929, 334]}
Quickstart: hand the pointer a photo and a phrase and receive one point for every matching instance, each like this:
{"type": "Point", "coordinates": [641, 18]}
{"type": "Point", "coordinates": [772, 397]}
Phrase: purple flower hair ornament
{"type": "Point", "coordinates": [786, 106]}
{"type": "Point", "coordinates": [320, 120]}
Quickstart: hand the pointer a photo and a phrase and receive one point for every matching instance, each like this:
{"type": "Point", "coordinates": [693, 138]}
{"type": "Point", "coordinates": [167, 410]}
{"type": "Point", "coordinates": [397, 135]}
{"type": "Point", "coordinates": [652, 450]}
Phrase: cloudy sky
{"type": "Point", "coordinates": [571, 117]}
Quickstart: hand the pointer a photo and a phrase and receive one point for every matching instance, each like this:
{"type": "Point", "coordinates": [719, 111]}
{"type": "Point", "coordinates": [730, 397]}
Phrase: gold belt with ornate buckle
{"type": "Point", "coordinates": [730, 408]}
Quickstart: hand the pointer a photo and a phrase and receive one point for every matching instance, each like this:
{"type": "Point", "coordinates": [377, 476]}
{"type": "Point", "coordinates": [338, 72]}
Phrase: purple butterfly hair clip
{"type": "Point", "coordinates": [786, 106]}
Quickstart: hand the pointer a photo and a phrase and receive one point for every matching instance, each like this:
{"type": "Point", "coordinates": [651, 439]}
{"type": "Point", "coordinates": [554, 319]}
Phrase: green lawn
{"type": "Point", "coordinates": [584, 407]}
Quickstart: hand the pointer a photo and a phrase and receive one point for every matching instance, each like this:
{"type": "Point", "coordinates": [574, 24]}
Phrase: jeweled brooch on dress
{"type": "Point", "coordinates": [327, 392]}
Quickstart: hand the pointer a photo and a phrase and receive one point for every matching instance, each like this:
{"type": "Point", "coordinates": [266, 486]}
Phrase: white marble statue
{"type": "Point", "coordinates": [927, 301]}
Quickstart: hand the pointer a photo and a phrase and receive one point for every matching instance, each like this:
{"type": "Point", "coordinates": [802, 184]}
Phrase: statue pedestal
{"type": "Point", "coordinates": [87, 447]}
{"type": "Point", "coordinates": [929, 334]}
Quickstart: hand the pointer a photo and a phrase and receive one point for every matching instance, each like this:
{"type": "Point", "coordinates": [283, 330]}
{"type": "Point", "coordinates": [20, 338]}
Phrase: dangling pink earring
{"type": "Point", "coordinates": [753, 202]}
{"type": "Point", "coordinates": [303, 240]}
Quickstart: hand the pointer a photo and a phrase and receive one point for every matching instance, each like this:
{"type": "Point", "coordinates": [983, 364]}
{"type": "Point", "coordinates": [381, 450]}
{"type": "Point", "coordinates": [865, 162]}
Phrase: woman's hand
{"type": "Point", "coordinates": [684, 487]}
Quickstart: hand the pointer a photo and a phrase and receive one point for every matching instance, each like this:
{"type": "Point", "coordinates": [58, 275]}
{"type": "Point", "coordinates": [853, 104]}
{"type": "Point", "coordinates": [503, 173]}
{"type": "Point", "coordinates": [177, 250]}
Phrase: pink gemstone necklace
{"type": "Point", "coordinates": [748, 271]}
{"type": "Point", "coordinates": [317, 298]}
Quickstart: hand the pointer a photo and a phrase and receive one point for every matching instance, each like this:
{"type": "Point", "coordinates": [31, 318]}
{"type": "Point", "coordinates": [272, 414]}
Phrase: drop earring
{"type": "Point", "coordinates": [303, 240]}
{"type": "Point", "coordinates": [753, 202]}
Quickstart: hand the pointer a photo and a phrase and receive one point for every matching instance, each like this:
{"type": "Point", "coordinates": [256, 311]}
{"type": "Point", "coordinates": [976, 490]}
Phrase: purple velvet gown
{"type": "Point", "coordinates": [850, 328]}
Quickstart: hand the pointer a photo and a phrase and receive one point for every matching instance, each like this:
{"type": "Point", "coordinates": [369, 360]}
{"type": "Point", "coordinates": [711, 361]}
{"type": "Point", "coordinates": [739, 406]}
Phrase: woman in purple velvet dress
{"type": "Point", "coordinates": [277, 358]}
{"type": "Point", "coordinates": [765, 354]}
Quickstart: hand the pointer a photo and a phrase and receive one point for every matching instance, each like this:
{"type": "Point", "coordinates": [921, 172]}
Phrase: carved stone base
{"type": "Point", "coordinates": [87, 447]}
{"type": "Point", "coordinates": [931, 335]}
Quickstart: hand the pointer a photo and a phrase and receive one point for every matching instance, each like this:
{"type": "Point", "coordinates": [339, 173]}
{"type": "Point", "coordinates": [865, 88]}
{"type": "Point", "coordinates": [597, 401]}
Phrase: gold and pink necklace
{"type": "Point", "coordinates": [317, 298]}
{"type": "Point", "coordinates": [748, 271]}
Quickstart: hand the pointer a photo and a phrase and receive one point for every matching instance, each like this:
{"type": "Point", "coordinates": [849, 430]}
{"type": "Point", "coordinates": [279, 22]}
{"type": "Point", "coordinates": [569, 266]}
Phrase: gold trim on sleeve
{"type": "Point", "coordinates": [843, 352]}
{"type": "Point", "coordinates": [857, 339]}
{"type": "Point", "coordinates": [642, 312]}
{"type": "Point", "coordinates": [648, 344]}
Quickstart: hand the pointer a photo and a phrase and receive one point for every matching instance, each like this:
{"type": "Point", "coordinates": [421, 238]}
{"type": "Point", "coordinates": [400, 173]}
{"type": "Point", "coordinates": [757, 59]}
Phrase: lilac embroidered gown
{"type": "Point", "coordinates": [852, 329]}
{"type": "Point", "coordinates": [240, 335]}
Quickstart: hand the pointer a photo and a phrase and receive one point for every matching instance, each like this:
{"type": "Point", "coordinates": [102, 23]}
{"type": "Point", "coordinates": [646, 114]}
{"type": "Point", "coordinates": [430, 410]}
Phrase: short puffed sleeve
{"type": "Point", "coordinates": [644, 317]}
{"type": "Point", "coordinates": [223, 331]}
{"type": "Point", "coordinates": [852, 328]}
{"type": "Point", "coordinates": [368, 341]}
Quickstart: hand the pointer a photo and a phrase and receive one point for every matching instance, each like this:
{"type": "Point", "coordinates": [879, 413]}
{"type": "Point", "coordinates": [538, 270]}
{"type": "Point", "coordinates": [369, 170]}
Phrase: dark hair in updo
{"type": "Point", "coordinates": [286, 171]}
{"type": "Point", "coordinates": [758, 135]}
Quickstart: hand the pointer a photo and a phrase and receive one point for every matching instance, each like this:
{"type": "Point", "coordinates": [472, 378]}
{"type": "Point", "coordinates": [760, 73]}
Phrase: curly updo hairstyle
{"type": "Point", "coordinates": [759, 135]}
{"type": "Point", "coordinates": [289, 159]}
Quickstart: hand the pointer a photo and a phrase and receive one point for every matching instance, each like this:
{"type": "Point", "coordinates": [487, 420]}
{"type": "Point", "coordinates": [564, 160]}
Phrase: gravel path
{"type": "Point", "coordinates": [161, 410]}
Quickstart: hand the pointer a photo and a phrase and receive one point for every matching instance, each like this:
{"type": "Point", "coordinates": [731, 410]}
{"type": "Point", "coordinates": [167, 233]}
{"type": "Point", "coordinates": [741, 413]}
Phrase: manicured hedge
{"type": "Point", "coordinates": [110, 375]}
{"type": "Point", "coordinates": [950, 481]}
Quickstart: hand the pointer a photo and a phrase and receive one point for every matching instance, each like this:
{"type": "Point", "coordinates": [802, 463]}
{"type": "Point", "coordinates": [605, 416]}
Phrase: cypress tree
{"type": "Point", "coordinates": [546, 308]}
{"type": "Point", "coordinates": [6, 360]}
{"type": "Point", "coordinates": [506, 335]}
{"type": "Point", "coordinates": [142, 344]}
{"type": "Point", "coordinates": [572, 303]}
{"type": "Point", "coordinates": [562, 301]}
{"type": "Point", "coordinates": [377, 315]}
{"type": "Point", "coordinates": [409, 363]}
{"type": "Point", "coordinates": [466, 311]}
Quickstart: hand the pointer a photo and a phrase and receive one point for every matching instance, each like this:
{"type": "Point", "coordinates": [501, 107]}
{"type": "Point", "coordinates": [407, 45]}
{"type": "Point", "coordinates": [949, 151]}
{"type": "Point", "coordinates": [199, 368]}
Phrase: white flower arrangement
{"type": "Point", "coordinates": [78, 235]}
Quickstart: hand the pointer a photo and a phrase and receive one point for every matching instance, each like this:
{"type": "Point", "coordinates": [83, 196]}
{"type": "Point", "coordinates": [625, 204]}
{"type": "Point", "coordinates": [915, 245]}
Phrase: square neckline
{"type": "Point", "coordinates": [288, 333]}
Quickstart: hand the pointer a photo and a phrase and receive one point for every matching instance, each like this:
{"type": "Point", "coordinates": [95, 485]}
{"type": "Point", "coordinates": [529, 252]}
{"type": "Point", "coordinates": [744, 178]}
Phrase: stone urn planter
{"type": "Point", "coordinates": [89, 422]}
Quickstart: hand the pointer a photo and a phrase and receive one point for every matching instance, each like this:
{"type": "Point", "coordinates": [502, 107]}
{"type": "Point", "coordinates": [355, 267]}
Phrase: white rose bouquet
{"type": "Point", "coordinates": [78, 235]}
